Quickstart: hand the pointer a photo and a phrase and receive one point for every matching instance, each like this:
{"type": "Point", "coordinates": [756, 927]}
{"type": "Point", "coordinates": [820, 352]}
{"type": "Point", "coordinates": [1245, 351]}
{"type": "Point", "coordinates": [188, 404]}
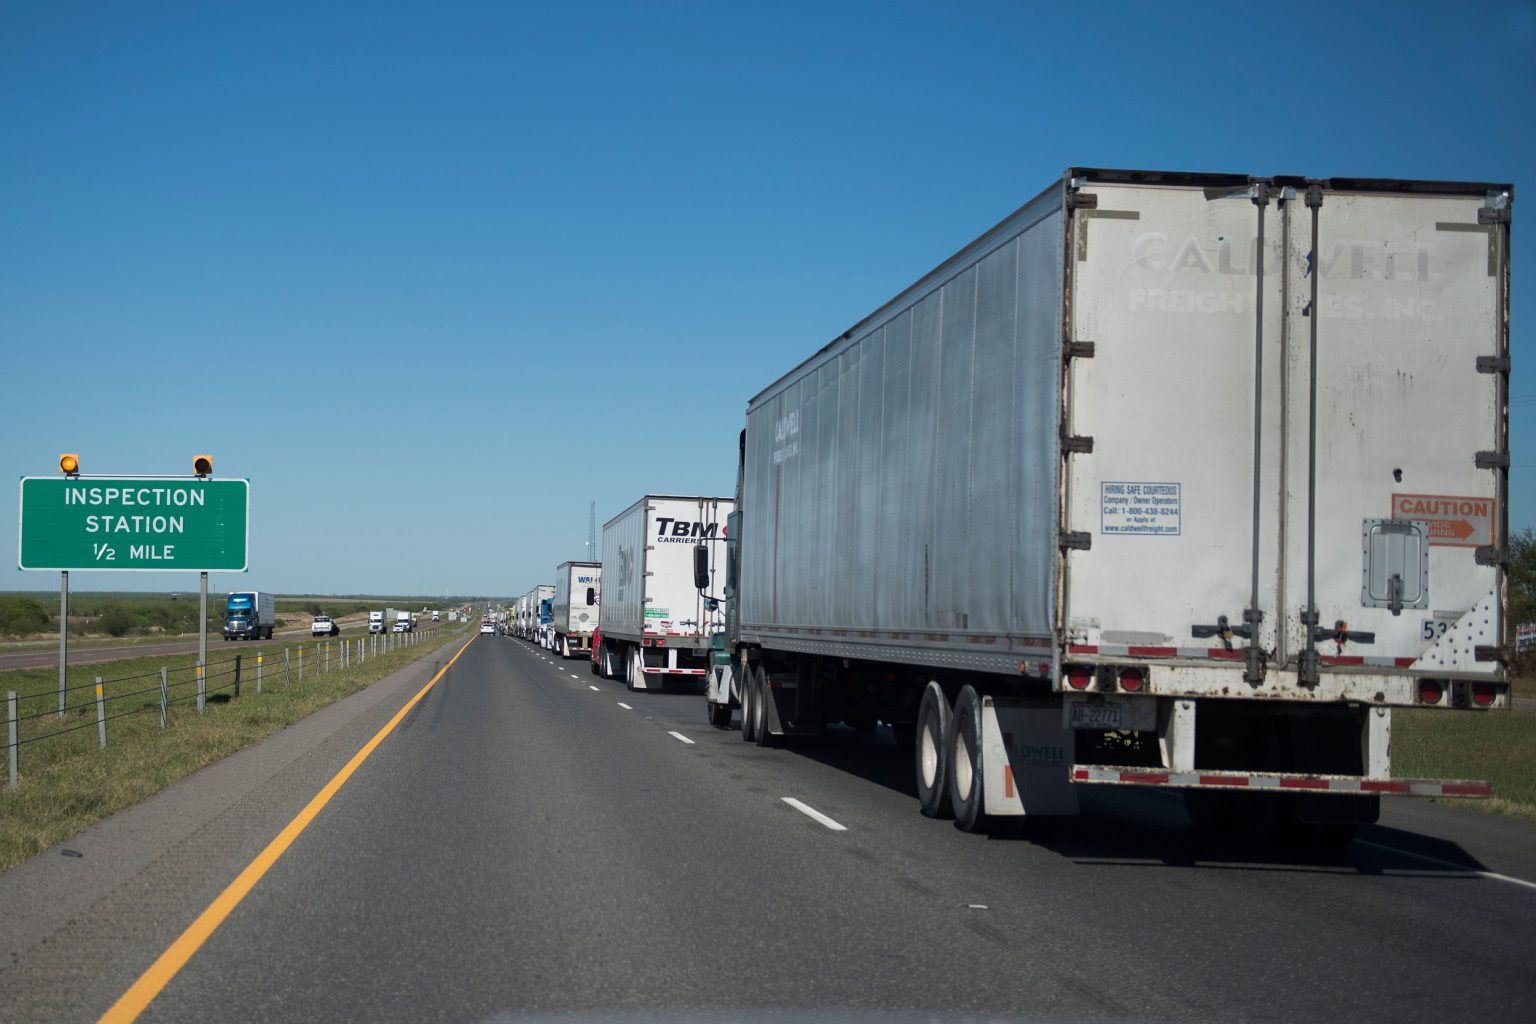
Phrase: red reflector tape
{"type": "Point", "coordinates": [1223, 780]}
{"type": "Point", "coordinates": [1152, 652]}
{"type": "Point", "coordinates": [1382, 786]}
{"type": "Point", "coordinates": [1150, 777]}
{"type": "Point", "coordinates": [1304, 783]}
{"type": "Point", "coordinates": [1467, 790]}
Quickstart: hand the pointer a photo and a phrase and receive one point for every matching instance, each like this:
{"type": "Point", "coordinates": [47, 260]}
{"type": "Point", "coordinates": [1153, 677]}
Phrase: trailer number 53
{"type": "Point", "coordinates": [1435, 628]}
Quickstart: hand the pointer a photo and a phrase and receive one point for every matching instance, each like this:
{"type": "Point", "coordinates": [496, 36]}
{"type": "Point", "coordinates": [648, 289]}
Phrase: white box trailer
{"type": "Point", "coordinates": [529, 627]}
{"type": "Point", "coordinates": [1168, 479]}
{"type": "Point", "coordinates": [519, 614]}
{"type": "Point", "coordinates": [578, 592]}
{"type": "Point", "coordinates": [656, 623]}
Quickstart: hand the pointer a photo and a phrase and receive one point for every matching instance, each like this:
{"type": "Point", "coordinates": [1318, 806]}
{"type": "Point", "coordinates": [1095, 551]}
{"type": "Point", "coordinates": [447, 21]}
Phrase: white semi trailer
{"type": "Point", "coordinates": [528, 624]}
{"type": "Point", "coordinates": [578, 593]}
{"type": "Point", "coordinates": [1170, 480]}
{"type": "Point", "coordinates": [656, 625]}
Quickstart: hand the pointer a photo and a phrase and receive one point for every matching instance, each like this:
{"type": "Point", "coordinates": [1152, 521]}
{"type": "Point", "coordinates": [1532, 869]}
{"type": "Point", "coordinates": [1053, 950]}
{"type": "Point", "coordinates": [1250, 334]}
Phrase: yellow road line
{"type": "Point", "coordinates": [169, 964]}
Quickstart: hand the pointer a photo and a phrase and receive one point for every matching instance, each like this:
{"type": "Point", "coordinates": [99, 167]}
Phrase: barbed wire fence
{"type": "Point", "coordinates": [90, 708]}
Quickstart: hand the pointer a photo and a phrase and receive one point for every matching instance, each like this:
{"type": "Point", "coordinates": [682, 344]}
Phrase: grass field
{"type": "Point", "coordinates": [1497, 746]}
{"type": "Point", "coordinates": [66, 782]}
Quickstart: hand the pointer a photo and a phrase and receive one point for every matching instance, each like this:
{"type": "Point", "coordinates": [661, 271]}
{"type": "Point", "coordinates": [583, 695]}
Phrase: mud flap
{"type": "Point", "coordinates": [1027, 758]}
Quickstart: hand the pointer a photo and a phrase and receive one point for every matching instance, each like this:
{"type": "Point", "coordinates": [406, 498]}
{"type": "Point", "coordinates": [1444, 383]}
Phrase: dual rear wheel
{"type": "Point", "coordinates": [948, 757]}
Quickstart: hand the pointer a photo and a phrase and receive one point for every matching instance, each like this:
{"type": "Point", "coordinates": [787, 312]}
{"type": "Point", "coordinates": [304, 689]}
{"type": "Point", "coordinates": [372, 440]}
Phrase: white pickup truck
{"type": "Point", "coordinates": [324, 625]}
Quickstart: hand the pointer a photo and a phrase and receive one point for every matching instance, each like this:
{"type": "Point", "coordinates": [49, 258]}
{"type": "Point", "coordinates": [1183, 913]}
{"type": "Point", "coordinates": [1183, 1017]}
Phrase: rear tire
{"type": "Point", "coordinates": [967, 782]}
{"type": "Point", "coordinates": [748, 706]}
{"type": "Point", "coordinates": [760, 733]}
{"type": "Point", "coordinates": [930, 757]}
{"type": "Point", "coordinates": [719, 714]}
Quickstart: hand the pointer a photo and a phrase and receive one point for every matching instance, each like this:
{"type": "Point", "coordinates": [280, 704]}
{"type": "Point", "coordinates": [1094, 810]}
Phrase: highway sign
{"type": "Point", "coordinates": [134, 524]}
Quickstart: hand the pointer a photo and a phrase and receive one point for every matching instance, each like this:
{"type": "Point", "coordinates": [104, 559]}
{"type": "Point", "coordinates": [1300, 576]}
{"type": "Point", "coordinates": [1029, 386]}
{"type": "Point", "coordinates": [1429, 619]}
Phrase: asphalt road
{"type": "Point", "coordinates": [524, 843]}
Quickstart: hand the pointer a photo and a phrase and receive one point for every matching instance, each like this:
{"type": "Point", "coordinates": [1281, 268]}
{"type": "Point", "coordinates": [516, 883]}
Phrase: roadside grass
{"type": "Point", "coordinates": [66, 782]}
{"type": "Point", "coordinates": [1497, 746]}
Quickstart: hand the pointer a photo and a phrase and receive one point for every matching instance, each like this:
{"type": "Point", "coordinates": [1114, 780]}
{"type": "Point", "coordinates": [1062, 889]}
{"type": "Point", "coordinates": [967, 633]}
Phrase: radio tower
{"type": "Point", "coordinates": [592, 531]}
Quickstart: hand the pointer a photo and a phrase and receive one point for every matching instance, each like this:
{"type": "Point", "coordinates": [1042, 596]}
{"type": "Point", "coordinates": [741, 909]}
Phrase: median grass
{"type": "Point", "coordinates": [1498, 746]}
{"type": "Point", "coordinates": [67, 782]}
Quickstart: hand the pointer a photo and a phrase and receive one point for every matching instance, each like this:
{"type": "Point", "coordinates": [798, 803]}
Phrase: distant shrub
{"type": "Point", "coordinates": [22, 615]}
{"type": "Point", "coordinates": [116, 621]}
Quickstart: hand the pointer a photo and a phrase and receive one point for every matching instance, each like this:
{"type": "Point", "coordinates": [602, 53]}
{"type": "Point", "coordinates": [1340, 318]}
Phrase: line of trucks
{"type": "Point", "coordinates": [391, 620]}
{"type": "Point", "coordinates": [1168, 480]}
{"type": "Point", "coordinates": [252, 615]}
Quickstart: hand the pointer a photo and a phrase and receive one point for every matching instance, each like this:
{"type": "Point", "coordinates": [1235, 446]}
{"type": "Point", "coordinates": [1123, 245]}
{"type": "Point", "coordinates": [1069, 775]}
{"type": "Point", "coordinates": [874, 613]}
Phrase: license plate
{"type": "Point", "coordinates": [1094, 716]}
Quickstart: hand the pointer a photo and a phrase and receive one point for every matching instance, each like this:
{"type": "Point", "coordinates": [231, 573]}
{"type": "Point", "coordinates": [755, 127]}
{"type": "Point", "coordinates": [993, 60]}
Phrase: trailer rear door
{"type": "Point", "coordinates": [1249, 439]}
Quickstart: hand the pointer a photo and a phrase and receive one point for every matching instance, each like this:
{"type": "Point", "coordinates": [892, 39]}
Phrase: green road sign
{"type": "Point", "coordinates": [137, 524]}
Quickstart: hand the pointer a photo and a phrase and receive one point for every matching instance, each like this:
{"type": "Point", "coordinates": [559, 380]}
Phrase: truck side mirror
{"type": "Point", "coordinates": [701, 566]}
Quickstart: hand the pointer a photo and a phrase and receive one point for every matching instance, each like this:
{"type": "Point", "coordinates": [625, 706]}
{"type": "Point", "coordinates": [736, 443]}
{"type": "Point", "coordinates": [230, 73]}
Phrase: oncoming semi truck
{"type": "Point", "coordinates": [1172, 480]}
{"type": "Point", "coordinates": [250, 615]}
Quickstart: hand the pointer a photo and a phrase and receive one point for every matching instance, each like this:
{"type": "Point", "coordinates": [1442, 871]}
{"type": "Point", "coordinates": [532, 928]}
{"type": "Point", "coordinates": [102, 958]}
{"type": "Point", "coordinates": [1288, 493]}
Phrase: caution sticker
{"type": "Point", "coordinates": [1454, 522]}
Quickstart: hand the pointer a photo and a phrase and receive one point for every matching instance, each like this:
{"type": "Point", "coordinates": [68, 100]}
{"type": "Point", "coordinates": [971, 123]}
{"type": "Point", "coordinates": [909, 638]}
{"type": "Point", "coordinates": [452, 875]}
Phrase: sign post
{"type": "Point", "coordinates": [202, 618]}
{"type": "Point", "coordinates": [63, 634]}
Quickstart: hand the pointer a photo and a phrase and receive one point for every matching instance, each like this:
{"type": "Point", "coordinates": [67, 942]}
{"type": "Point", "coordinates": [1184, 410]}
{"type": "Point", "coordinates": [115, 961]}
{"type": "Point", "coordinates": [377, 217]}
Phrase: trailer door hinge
{"type": "Point", "coordinates": [1493, 215]}
{"type": "Point", "coordinates": [1084, 350]}
{"type": "Point", "coordinates": [1082, 201]}
{"type": "Point", "coordinates": [1486, 653]}
{"type": "Point", "coordinates": [1493, 460]}
{"type": "Point", "coordinates": [1077, 444]}
{"type": "Point", "coordinates": [1489, 555]}
{"type": "Point", "coordinates": [1493, 364]}
{"type": "Point", "coordinates": [1076, 541]}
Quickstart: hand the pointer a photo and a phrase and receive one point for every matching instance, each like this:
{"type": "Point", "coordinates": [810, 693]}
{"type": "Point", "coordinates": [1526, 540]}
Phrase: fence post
{"type": "Point", "coordinates": [199, 687]}
{"type": "Point", "coordinates": [237, 674]}
{"type": "Point", "coordinates": [10, 714]}
{"type": "Point", "coordinates": [101, 713]}
{"type": "Point", "coordinates": [162, 696]}
{"type": "Point", "coordinates": [258, 673]}
{"type": "Point", "coordinates": [286, 674]}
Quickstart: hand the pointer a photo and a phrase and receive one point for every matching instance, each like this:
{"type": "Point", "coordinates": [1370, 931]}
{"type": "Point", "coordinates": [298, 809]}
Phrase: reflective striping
{"type": "Point", "coordinates": [1227, 654]}
{"type": "Point", "coordinates": [1278, 781]}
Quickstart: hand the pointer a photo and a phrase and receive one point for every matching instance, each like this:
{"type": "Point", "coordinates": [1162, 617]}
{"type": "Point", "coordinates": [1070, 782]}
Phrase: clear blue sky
{"type": "Point", "coordinates": [411, 267]}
